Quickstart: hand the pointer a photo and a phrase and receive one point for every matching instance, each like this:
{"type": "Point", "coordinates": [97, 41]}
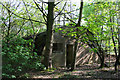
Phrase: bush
{"type": "Point", "coordinates": [18, 59]}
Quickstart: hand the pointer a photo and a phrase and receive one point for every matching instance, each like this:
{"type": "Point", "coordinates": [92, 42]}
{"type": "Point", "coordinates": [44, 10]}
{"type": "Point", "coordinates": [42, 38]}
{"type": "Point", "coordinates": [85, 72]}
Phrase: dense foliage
{"type": "Point", "coordinates": [18, 58]}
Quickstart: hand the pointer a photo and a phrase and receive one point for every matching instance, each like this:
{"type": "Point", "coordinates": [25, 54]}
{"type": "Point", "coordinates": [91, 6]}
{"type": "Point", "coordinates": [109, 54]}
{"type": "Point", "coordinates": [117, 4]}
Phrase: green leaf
{"type": "Point", "coordinates": [13, 76]}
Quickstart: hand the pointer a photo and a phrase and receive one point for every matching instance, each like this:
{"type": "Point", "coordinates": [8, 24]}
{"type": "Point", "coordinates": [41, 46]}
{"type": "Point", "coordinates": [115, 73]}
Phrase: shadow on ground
{"type": "Point", "coordinates": [92, 71]}
{"type": "Point", "coordinates": [83, 71]}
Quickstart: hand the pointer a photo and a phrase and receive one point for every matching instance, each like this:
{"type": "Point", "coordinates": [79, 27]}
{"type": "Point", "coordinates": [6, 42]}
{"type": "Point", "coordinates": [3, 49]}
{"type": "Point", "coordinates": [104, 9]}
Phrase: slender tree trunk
{"type": "Point", "coordinates": [113, 39]}
{"type": "Point", "coordinates": [49, 38]}
{"type": "Point", "coordinates": [100, 52]}
{"type": "Point", "coordinates": [8, 31]}
{"type": "Point", "coordinates": [76, 42]}
{"type": "Point", "coordinates": [118, 21]}
{"type": "Point", "coordinates": [119, 34]}
{"type": "Point", "coordinates": [102, 61]}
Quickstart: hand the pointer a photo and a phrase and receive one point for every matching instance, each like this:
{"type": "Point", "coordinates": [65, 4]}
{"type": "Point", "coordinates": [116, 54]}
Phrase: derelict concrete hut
{"type": "Point", "coordinates": [63, 50]}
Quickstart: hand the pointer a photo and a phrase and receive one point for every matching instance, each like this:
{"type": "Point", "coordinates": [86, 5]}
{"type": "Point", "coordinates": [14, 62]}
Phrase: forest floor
{"type": "Point", "coordinates": [82, 71]}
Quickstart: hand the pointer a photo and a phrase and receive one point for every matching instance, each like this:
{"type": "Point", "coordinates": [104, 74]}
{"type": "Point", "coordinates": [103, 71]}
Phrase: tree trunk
{"type": "Point", "coordinates": [49, 38]}
{"type": "Point", "coordinates": [102, 64]}
{"type": "Point", "coordinates": [118, 57]}
{"type": "Point", "coordinates": [76, 42]}
{"type": "Point", "coordinates": [115, 49]}
{"type": "Point", "coordinates": [8, 31]}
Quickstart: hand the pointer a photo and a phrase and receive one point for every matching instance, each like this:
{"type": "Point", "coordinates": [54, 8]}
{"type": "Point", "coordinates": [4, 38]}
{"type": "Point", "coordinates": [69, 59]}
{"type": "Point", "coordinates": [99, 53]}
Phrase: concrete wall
{"type": "Point", "coordinates": [84, 56]}
{"type": "Point", "coordinates": [58, 57]}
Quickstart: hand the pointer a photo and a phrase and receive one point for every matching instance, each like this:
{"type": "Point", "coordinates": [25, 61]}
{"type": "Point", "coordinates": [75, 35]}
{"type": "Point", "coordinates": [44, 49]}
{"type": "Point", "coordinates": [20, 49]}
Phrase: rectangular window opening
{"type": "Point", "coordinates": [57, 47]}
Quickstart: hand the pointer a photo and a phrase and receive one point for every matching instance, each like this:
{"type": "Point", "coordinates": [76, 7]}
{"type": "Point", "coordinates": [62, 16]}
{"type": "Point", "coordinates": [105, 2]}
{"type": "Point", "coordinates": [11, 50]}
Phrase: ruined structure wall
{"type": "Point", "coordinates": [58, 56]}
{"type": "Point", "coordinates": [85, 56]}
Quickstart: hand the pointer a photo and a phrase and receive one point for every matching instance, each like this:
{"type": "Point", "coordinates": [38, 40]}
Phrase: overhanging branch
{"type": "Point", "coordinates": [44, 15]}
{"type": "Point", "coordinates": [20, 16]}
{"type": "Point", "coordinates": [61, 10]}
{"type": "Point", "coordinates": [58, 3]}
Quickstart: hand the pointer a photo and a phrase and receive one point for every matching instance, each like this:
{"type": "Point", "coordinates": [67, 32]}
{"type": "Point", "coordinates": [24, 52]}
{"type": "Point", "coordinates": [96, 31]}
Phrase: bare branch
{"type": "Point", "coordinates": [36, 7]}
{"type": "Point", "coordinates": [61, 10]}
{"type": "Point", "coordinates": [58, 3]}
{"type": "Point", "coordinates": [67, 17]}
{"type": "Point", "coordinates": [29, 18]}
{"type": "Point", "coordinates": [19, 30]}
{"type": "Point", "coordinates": [5, 23]}
{"type": "Point", "coordinates": [70, 19]}
{"type": "Point", "coordinates": [20, 16]}
{"type": "Point", "coordinates": [44, 15]}
{"type": "Point", "coordinates": [80, 14]}
{"type": "Point", "coordinates": [18, 5]}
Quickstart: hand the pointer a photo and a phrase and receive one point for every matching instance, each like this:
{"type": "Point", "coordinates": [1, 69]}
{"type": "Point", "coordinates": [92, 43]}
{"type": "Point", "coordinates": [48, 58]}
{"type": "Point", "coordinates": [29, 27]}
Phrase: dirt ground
{"type": "Point", "coordinates": [82, 71]}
